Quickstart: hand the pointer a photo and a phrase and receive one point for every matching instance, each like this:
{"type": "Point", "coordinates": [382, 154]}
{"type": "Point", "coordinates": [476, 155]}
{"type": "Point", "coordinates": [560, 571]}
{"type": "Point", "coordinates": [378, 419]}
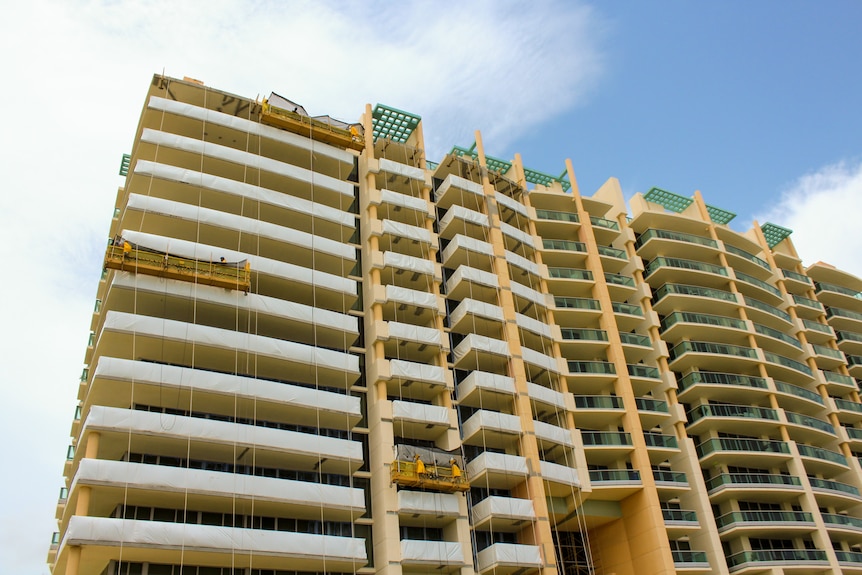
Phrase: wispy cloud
{"type": "Point", "coordinates": [823, 208]}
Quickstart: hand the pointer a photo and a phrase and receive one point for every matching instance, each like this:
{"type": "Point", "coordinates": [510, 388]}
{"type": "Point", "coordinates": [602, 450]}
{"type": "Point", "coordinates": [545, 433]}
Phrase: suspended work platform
{"type": "Point", "coordinates": [281, 113]}
{"type": "Point", "coordinates": [230, 275]}
{"type": "Point", "coordinates": [435, 477]}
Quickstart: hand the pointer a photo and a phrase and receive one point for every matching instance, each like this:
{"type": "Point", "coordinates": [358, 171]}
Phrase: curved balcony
{"type": "Point", "coordinates": [788, 558]}
{"type": "Point", "coordinates": [742, 451]}
{"type": "Point", "coordinates": [570, 282]}
{"type": "Point", "coordinates": [727, 387]}
{"type": "Point", "coordinates": [627, 316]}
{"type": "Point", "coordinates": [821, 460]}
{"type": "Point", "coordinates": [769, 315]}
{"type": "Point", "coordinates": [469, 282]}
{"type": "Point", "coordinates": [597, 410]}
{"type": "Point", "coordinates": [796, 280]}
{"type": "Point", "coordinates": [811, 307]}
{"type": "Point", "coordinates": [787, 369]}
{"type": "Point", "coordinates": [489, 390]}
{"type": "Point", "coordinates": [656, 242]}
{"type": "Point", "coordinates": [606, 447]}
{"type": "Point", "coordinates": [497, 470]}
{"type": "Point", "coordinates": [832, 294]}
{"type": "Point", "coordinates": [677, 270]}
{"type": "Point", "coordinates": [750, 285]}
{"type": "Point", "coordinates": [848, 411]}
{"type": "Point", "coordinates": [838, 382]}
{"type": "Point", "coordinates": [563, 252]}
{"type": "Point", "coordinates": [816, 332]}
{"type": "Point", "coordinates": [432, 509]}
{"type": "Point", "coordinates": [844, 320]}
{"type": "Point", "coordinates": [849, 342]}
{"type": "Point", "coordinates": [741, 259]}
{"type": "Point", "coordinates": [722, 417]}
{"type": "Point", "coordinates": [615, 484]}
{"type": "Point", "coordinates": [766, 486]}
{"type": "Point", "coordinates": [777, 341]}
{"type": "Point", "coordinates": [575, 310]}
{"type": "Point", "coordinates": [509, 559]}
{"type": "Point", "coordinates": [806, 428]}
{"type": "Point", "coordinates": [828, 358]}
{"type": "Point", "coordinates": [457, 190]}
{"type": "Point", "coordinates": [502, 513]}
{"type": "Point", "coordinates": [491, 429]}
{"type": "Point", "coordinates": [830, 492]}
{"type": "Point", "coordinates": [467, 251]}
{"type": "Point", "coordinates": [687, 355]}
{"type": "Point", "coordinates": [445, 556]}
{"type": "Point", "coordinates": [461, 220]}
{"type": "Point", "coordinates": [764, 522]}
{"type": "Point", "coordinates": [697, 326]}
{"type": "Point", "coordinates": [797, 397]}
{"type": "Point", "coordinates": [845, 523]}
{"type": "Point", "coordinates": [670, 297]}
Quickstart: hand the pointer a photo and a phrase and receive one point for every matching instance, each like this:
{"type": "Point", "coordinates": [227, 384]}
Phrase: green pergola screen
{"type": "Point", "coordinates": [718, 215]}
{"type": "Point", "coordinates": [124, 164]}
{"type": "Point", "coordinates": [774, 234]}
{"type": "Point", "coordinates": [668, 200]}
{"type": "Point", "coordinates": [494, 164]}
{"type": "Point", "coordinates": [543, 179]}
{"type": "Point", "coordinates": [393, 124]}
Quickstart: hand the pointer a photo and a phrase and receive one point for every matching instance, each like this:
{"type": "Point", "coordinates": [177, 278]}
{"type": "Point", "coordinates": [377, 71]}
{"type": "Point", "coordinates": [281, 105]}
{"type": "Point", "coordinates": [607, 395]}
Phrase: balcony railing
{"type": "Point", "coordinates": [853, 432]}
{"type": "Point", "coordinates": [821, 453]}
{"type": "Point", "coordinates": [787, 362]}
{"type": "Point", "coordinates": [660, 440]}
{"type": "Point", "coordinates": [710, 347]}
{"type": "Point", "coordinates": [598, 402]}
{"type": "Point", "coordinates": [571, 334]}
{"type": "Point", "coordinates": [792, 275]}
{"type": "Point", "coordinates": [635, 339]}
{"type": "Point", "coordinates": [570, 274]}
{"type": "Point", "coordinates": [644, 371]}
{"type": "Point", "coordinates": [846, 520]}
{"type": "Point", "coordinates": [763, 517]}
{"type": "Point", "coordinates": [822, 286]}
{"type": "Point", "coordinates": [614, 475]}
{"type": "Point", "coordinates": [839, 378]}
{"type": "Point", "coordinates": [791, 556]}
{"type": "Point", "coordinates": [712, 378]}
{"type": "Point", "coordinates": [612, 252]}
{"type": "Point", "coordinates": [846, 313]}
{"type": "Point", "coordinates": [809, 421]}
{"type": "Point", "coordinates": [619, 280]}
{"type": "Point", "coordinates": [752, 479]}
{"type": "Point", "coordinates": [606, 438]}
{"type": "Point", "coordinates": [779, 335]}
{"type": "Point", "coordinates": [701, 318]}
{"type": "Point", "coordinates": [650, 404]}
{"type": "Point", "coordinates": [700, 291]}
{"type": "Point", "coordinates": [722, 410]}
{"type": "Point", "coordinates": [565, 245]}
{"type": "Point", "coordinates": [848, 556]}
{"type": "Point", "coordinates": [817, 326]}
{"type": "Point", "coordinates": [741, 444]}
{"type": "Point", "coordinates": [829, 352]}
{"type": "Point", "coordinates": [557, 216]}
{"type": "Point", "coordinates": [807, 302]}
{"type": "Point", "coordinates": [577, 303]}
{"type": "Point", "coordinates": [684, 264]}
{"type": "Point", "coordinates": [848, 336]}
{"type": "Point", "coordinates": [816, 482]}
{"type": "Point", "coordinates": [627, 308]}
{"type": "Point", "coordinates": [798, 391]}
{"type": "Point", "coordinates": [847, 405]}
{"type": "Point", "coordinates": [756, 282]}
{"type": "Point", "coordinates": [597, 367]}
{"type": "Point", "coordinates": [604, 223]}
{"type": "Point", "coordinates": [750, 257]}
{"type": "Point", "coordinates": [679, 515]}
{"type": "Point", "coordinates": [683, 557]}
{"type": "Point", "coordinates": [765, 307]}
{"type": "Point", "coordinates": [677, 236]}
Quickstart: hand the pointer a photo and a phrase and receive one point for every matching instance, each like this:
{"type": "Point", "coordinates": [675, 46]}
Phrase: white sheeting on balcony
{"type": "Point", "coordinates": [186, 378]}
{"type": "Point", "coordinates": [243, 125]}
{"type": "Point", "coordinates": [267, 266]}
{"type": "Point", "coordinates": [413, 371]}
{"type": "Point", "coordinates": [462, 242]}
{"type": "Point", "coordinates": [531, 294]}
{"type": "Point", "coordinates": [113, 532]}
{"type": "Point", "coordinates": [217, 484]}
{"type": "Point", "coordinates": [425, 503]}
{"type": "Point", "coordinates": [505, 508]}
{"type": "Point", "coordinates": [253, 161]}
{"type": "Point", "coordinates": [405, 262]}
{"type": "Point", "coordinates": [420, 412]}
{"type": "Point", "coordinates": [517, 234]}
{"type": "Point", "coordinates": [404, 201]}
{"type": "Point", "coordinates": [477, 308]}
{"type": "Point", "coordinates": [462, 213]}
{"type": "Point", "coordinates": [486, 381]}
{"type": "Point", "coordinates": [487, 420]}
{"type": "Point", "coordinates": [512, 204]}
{"type": "Point", "coordinates": [436, 553]}
{"type": "Point", "coordinates": [414, 233]}
{"type": "Point", "coordinates": [411, 297]}
{"type": "Point", "coordinates": [545, 395]}
{"type": "Point", "coordinates": [141, 325]}
{"type": "Point", "coordinates": [453, 181]}
{"type": "Point", "coordinates": [533, 325]}
{"type": "Point", "coordinates": [560, 473]}
{"type": "Point", "coordinates": [466, 273]}
{"type": "Point", "coordinates": [540, 359]}
{"type": "Point", "coordinates": [256, 193]}
{"type": "Point", "coordinates": [481, 343]}
{"type": "Point", "coordinates": [497, 462]}
{"type": "Point", "coordinates": [553, 433]}
{"type": "Point", "coordinates": [400, 169]}
{"type": "Point", "coordinates": [253, 302]}
{"type": "Point", "coordinates": [244, 225]}
{"type": "Point", "coordinates": [522, 262]}
{"type": "Point", "coordinates": [185, 428]}
{"type": "Point", "coordinates": [509, 555]}
{"type": "Point", "coordinates": [415, 333]}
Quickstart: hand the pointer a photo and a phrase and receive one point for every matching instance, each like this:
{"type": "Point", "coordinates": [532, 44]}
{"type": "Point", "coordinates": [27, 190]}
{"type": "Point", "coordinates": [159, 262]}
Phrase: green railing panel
{"type": "Point", "coordinates": [676, 236]}
{"type": "Point", "coordinates": [571, 333]}
{"type": "Point", "coordinates": [556, 216]}
{"type": "Point", "coordinates": [598, 402]}
{"type": "Point", "coordinates": [576, 303]}
{"type": "Point", "coordinates": [712, 378]}
{"type": "Point", "coordinates": [752, 479]}
{"type": "Point", "coordinates": [798, 391]}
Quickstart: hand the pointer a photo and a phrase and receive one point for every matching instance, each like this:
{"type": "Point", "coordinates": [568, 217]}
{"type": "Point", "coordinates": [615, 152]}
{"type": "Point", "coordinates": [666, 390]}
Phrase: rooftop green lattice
{"type": "Point", "coordinates": [718, 215]}
{"type": "Point", "coordinates": [494, 164]}
{"type": "Point", "coordinates": [393, 124]}
{"type": "Point", "coordinates": [124, 165]}
{"type": "Point", "coordinates": [774, 234]}
{"type": "Point", "coordinates": [668, 200]}
{"type": "Point", "coordinates": [543, 179]}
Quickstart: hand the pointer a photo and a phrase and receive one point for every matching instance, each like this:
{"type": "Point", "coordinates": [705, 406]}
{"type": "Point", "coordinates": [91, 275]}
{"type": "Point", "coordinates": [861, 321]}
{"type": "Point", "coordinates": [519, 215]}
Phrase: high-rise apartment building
{"type": "Point", "coordinates": [316, 351]}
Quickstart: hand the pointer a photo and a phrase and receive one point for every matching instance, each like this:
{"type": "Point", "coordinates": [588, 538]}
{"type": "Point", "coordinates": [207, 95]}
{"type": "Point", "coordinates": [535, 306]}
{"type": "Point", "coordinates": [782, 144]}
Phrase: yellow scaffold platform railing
{"type": "Point", "coordinates": [448, 479]}
{"type": "Point", "coordinates": [301, 124]}
{"type": "Point", "coordinates": [123, 256]}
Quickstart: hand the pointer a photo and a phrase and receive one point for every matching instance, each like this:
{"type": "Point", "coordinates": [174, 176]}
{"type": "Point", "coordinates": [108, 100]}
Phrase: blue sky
{"type": "Point", "coordinates": [756, 104]}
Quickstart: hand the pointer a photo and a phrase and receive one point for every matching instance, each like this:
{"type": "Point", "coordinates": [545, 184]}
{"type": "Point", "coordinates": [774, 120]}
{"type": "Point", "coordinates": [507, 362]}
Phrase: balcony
{"type": "Point", "coordinates": [491, 429]}
{"type": "Point", "coordinates": [780, 340]}
{"type": "Point", "coordinates": [497, 470]}
{"type": "Point", "coordinates": [685, 560]}
{"type": "Point", "coordinates": [849, 411]}
{"type": "Point", "coordinates": [619, 286]}
{"type": "Point", "coordinates": [794, 395]}
{"type": "Point", "coordinates": [765, 558]}
{"type": "Point", "coordinates": [729, 387]}
{"type": "Point", "coordinates": [764, 313]}
{"type": "Point", "coordinates": [834, 492]}
{"type": "Point", "coordinates": [469, 282]}
{"type": "Point", "coordinates": [844, 522]}
{"type": "Point", "coordinates": [419, 420]}
{"type": "Point", "coordinates": [832, 294]}
{"type": "Point", "coordinates": [838, 381]}
{"type": "Point", "coordinates": [747, 257]}
{"type": "Point", "coordinates": [787, 368]}
{"type": "Point", "coordinates": [547, 396]}
{"type": "Point", "coordinates": [849, 558]}
{"type": "Point", "coordinates": [580, 343]}
{"type": "Point", "coordinates": [807, 428]}
{"type": "Point", "coordinates": [482, 353]}
{"type": "Point", "coordinates": [844, 319]}
{"type": "Point", "coordinates": [676, 270]}
{"type": "Point", "coordinates": [768, 485]}
{"type": "Point", "coordinates": [746, 283]}
{"type": "Point", "coordinates": [796, 277]}
{"type": "Point", "coordinates": [554, 216]}
{"type": "Point", "coordinates": [822, 460]}
{"type": "Point", "coordinates": [756, 420]}
{"type": "Point", "coordinates": [809, 303]}
{"type": "Point", "coordinates": [490, 390]}
{"type": "Point", "coordinates": [670, 297]}
{"type": "Point", "coordinates": [715, 328]}
{"type": "Point", "coordinates": [474, 316]}
{"type": "Point", "coordinates": [550, 436]}
{"type": "Point", "coordinates": [509, 558]}
{"type": "Point", "coordinates": [766, 521]}
{"type": "Point", "coordinates": [502, 513]}
{"type": "Point", "coordinates": [741, 451]}
{"type": "Point", "coordinates": [654, 242]}
{"type": "Point", "coordinates": [570, 282]}
{"type": "Point", "coordinates": [444, 556]}
{"type": "Point", "coordinates": [665, 478]}
{"type": "Point", "coordinates": [597, 410]}
{"type": "Point", "coordinates": [597, 369]}
{"type": "Point", "coordinates": [679, 516]}
{"type": "Point", "coordinates": [435, 509]}
{"type": "Point", "coordinates": [468, 251]}
{"type": "Point", "coordinates": [457, 190]}
{"type": "Point", "coordinates": [459, 219]}
{"type": "Point", "coordinates": [615, 484]}
{"type": "Point", "coordinates": [559, 480]}
{"type": "Point", "coordinates": [706, 355]}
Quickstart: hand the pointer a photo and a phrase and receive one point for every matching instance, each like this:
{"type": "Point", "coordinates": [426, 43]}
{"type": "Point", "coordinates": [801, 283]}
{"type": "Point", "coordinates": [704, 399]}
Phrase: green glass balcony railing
{"type": "Point", "coordinates": [669, 476]}
{"type": "Point", "coordinates": [614, 475]}
{"type": "Point", "coordinates": [678, 263]}
{"type": "Point", "coordinates": [570, 274]}
{"type": "Point", "coordinates": [627, 308]}
{"type": "Point", "coordinates": [756, 282]}
{"type": "Point", "coordinates": [765, 307]}
{"type": "Point", "coordinates": [597, 367]}
{"type": "Point", "coordinates": [821, 453]}
{"type": "Point", "coordinates": [752, 479]}
{"type": "Point", "coordinates": [846, 313]}
{"type": "Point", "coordinates": [612, 252]}
{"type": "Point", "coordinates": [849, 557]}
{"type": "Point", "coordinates": [839, 378]}
{"type": "Point", "coordinates": [821, 286]}
{"type": "Point", "coordinates": [606, 438]}
{"type": "Point", "coordinates": [565, 245]}
{"type": "Point", "coordinates": [660, 440]}
{"type": "Point", "coordinates": [790, 556]}
{"type": "Point", "coordinates": [847, 405]}
{"type": "Point", "coordinates": [598, 402]}
{"type": "Point", "coordinates": [809, 421]}
{"type": "Point", "coordinates": [619, 280]}
{"type": "Point", "coordinates": [818, 483]}
{"type": "Point", "coordinates": [604, 223]}
{"type": "Point", "coordinates": [792, 275]}
{"type": "Point", "coordinates": [798, 391]}
{"type": "Point", "coordinates": [712, 378]}
{"type": "Point", "coordinates": [635, 339]}
{"type": "Point", "coordinates": [683, 289]}
{"type": "Point", "coordinates": [853, 432]}
{"type": "Point", "coordinates": [642, 371]}
{"type": "Point", "coordinates": [750, 257]}
{"type": "Point", "coordinates": [845, 520]}
{"type": "Point", "coordinates": [701, 318]}
{"type": "Point", "coordinates": [853, 359]}
{"type": "Point", "coordinates": [721, 410]}
{"type": "Point", "coordinates": [650, 404]}
{"type": "Point", "coordinates": [711, 347]}
{"type": "Point", "coordinates": [577, 303]}
{"type": "Point", "coordinates": [679, 515]}
{"type": "Point", "coordinates": [55, 538]}
{"type": "Point", "coordinates": [676, 236]}
{"type": "Point", "coordinates": [70, 453]}
{"type": "Point", "coordinates": [557, 216]}
{"type": "Point", "coordinates": [763, 517]}
{"type": "Point", "coordinates": [684, 557]}
{"type": "Point", "coordinates": [571, 334]}
{"type": "Point", "coordinates": [829, 352]}
{"type": "Point", "coordinates": [64, 494]}
{"type": "Point", "coordinates": [787, 362]}
{"type": "Point", "coordinates": [779, 335]}
{"type": "Point", "coordinates": [817, 326]}
{"type": "Point", "coordinates": [741, 444]}
{"type": "Point", "coordinates": [807, 302]}
{"type": "Point", "coordinates": [848, 336]}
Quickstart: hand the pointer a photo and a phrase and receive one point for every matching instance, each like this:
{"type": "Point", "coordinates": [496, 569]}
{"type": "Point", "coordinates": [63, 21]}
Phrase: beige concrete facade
{"type": "Point", "coordinates": [625, 390]}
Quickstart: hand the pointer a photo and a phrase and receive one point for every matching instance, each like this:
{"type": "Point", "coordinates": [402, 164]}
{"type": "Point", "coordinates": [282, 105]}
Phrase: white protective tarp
{"type": "Point", "coordinates": [530, 294]}
{"type": "Point", "coordinates": [511, 203]}
{"type": "Point", "coordinates": [108, 531]}
{"type": "Point", "coordinates": [428, 503]}
{"type": "Point", "coordinates": [414, 233]}
{"type": "Point", "coordinates": [509, 555]}
{"type": "Point", "coordinates": [517, 234]}
{"type": "Point", "coordinates": [462, 242]}
{"type": "Point", "coordinates": [253, 302]}
{"type": "Point", "coordinates": [486, 381]}
{"type": "Point", "coordinates": [533, 325]}
{"type": "Point", "coordinates": [185, 428]}
{"type": "Point", "coordinates": [480, 343]}
{"type": "Point", "coordinates": [522, 262]}
{"type": "Point", "coordinates": [415, 333]}
{"type": "Point", "coordinates": [554, 434]}
{"type": "Point", "coordinates": [412, 371]}
{"type": "Point", "coordinates": [503, 508]}
{"type": "Point", "coordinates": [477, 308]}
{"type": "Point", "coordinates": [453, 181]}
{"type": "Point", "coordinates": [186, 378]}
{"type": "Point", "coordinates": [404, 201]}
{"type": "Point", "coordinates": [466, 273]}
{"type": "Point", "coordinates": [540, 359]}
{"type": "Point", "coordinates": [399, 169]}
{"type": "Point", "coordinates": [545, 395]}
{"type": "Point", "coordinates": [217, 484]}
{"type": "Point", "coordinates": [195, 251]}
{"type": "Point", "coordinates": [241, 189]}
{"type": "Point", "coordinates": [465, 214]}
{"type": "Point", "coordinates": [436, 553]}
{"type": "Point", "coordinates": [559, 473]}
{"type": "Point", "coordinates": [243, 125]}
{"type": "Point", "coordinates": [486, 420]}
{"type": "Point", "coordinates": [142, 325]}
{"type": "Point", "coordinates": [437, 457]}
{"type": "Point", "coordinates": [252, 161]}
{"type": "Point", "coordinates": [242, 224]}
{"type": "Point", "coordinates": [420, 412]}
{"type": "Point", "coordinates": [410, 263]}
{"type": "Point", "coordinates": [497, 463]}
{"type": "Point", "coordinates": [412, 297]}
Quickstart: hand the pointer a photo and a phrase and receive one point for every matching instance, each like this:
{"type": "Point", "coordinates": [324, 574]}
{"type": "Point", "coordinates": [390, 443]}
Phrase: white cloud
{"type": "Point", "coordinates": [823, 209]}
